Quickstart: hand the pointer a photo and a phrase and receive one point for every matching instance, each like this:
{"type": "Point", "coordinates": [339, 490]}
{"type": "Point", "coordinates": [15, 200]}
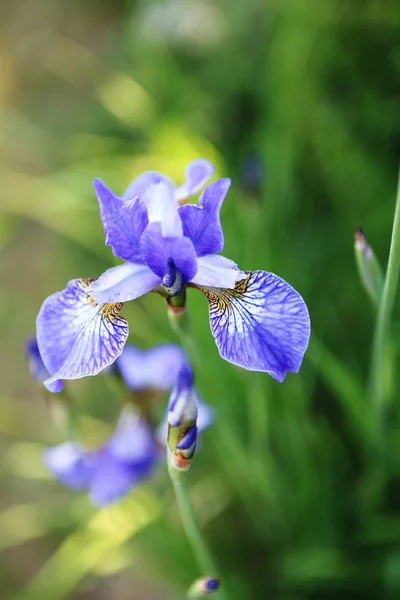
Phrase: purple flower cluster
{"type": "Point", "coordinates": [259, 322]}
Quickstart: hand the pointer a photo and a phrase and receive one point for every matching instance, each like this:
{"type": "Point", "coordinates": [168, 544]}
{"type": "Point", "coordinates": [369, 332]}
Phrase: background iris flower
{"type": "Point", "coordinates": [259, 322]}
{"type": "Point", "coordinates": [132, 453]}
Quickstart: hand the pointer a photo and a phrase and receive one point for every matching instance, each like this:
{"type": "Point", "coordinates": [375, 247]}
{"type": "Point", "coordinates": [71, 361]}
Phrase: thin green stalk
{"type": "Point", "coordinates": [379, 350]}
{"type": "Point", "coordinates": [195, 538]}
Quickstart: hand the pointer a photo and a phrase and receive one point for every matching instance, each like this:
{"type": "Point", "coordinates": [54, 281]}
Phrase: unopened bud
{"type": "Point", "coordinates": [182, 417]}
{"type": "Point", "coordinates": [203, 587]}
{"type": "Point", "coordinates": [368, 267]}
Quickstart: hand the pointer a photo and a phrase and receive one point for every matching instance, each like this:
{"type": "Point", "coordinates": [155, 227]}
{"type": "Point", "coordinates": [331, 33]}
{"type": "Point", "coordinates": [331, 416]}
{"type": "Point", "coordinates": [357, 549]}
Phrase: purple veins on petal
{"type": "Point", "coordinates": [261, 325]}
{"type": "Point", "coordinates": [156, 368]}
{"type": "Point", "coordinates": [77, 337]}
{"type": "Point", "coordinates": [124, 222]}
{"type": "Point", "coordinates": [202, 223]}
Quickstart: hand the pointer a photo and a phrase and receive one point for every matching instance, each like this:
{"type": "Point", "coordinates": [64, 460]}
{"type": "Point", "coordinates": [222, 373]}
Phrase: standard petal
{"type": "Point", "coordinates": [124, 222]}
{"type": "Point", "coordinates": [76, 336]}
{"type": "Point", "coordinates": [217, 271]}
{"type": "Point", "coordinates": [67, 463]}
{"type": "Point", "coordinates": [163, 208]}
{"type": "Point", "coordinates": [158, 250]}
{"type": "Point", "coordinates": [141, 183]}
{"type": "Point", "coordinates": [156, 368]}
{"type": "Point", "coordinates": [261, 325]}
{"type": "Point", "coordinates": [123, 283]}
{"type": "Point", "coordinates": [197, 173]}
{"type": "Point", "coordinates": [201, 223]}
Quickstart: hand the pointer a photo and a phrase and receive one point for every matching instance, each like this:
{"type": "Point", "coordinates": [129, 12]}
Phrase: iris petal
{"type": "Point", "coordinates": [158, 250]}
{"type": "Point", "coordinates": [156, 368]}
{"type": "Point", "coordinates": [197, 173]}
{"type": "Point", "coordinates": [163, 208]}
{"type": "Point", "coordinates": [76, 336]}
{"type": "Point", "coordinates": [139, 185]}
{"type": "Point", "coordinates": [124, 222]}
{"type": "Point", "coordinates": [36, 366]}
{"type": "Point", "coordinates": [122, 283]}
{"type": "Point", "coordinates": [261, 325]}
{"type": "Point", "coordinates": [201, 223]}
{"type": "Point", "coordinates": [217, 271]}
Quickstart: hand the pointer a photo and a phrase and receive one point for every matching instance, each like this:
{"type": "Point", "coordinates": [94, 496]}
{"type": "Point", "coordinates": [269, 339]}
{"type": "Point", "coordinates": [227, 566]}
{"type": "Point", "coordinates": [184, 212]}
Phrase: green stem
{"type": "Point", "coordinates": [384, 317]}
{"type": "Point", "coordinates": [193, 533]}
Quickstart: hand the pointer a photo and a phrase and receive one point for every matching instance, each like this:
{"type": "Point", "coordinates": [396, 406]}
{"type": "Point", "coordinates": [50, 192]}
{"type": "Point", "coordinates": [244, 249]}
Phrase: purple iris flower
{"type": "Point", "coordinates": [128, 457]}
{"type": "Point", "coordinates": [36, 366]}
{"type": "Point", "coordinates": [259, 322]}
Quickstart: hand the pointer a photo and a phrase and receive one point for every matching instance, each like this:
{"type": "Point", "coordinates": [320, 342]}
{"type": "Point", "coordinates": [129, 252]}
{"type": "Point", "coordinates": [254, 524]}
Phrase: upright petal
{"type": "Point", "coordinates": [122, 283]}
{"type": "Point", "coordinates": [163, 208]}
{"type": "Point", "coordinates": [197, 173]}
{"type": "Point", "coordinates": [124, 222]}
{"type": "Point", "coordinates": [139, 185]}
{"type": "Point", "coordinates": [217, 271]}
{"type": "Point", "coordinates": [158, 250]}
{"type": "Point", "coordinates": [201, 223]}
{"type": "Point", "coordinates": [261, 325]}
{"type": "Point", "coordinates": [156, 368]}
{"type": "Point", "coordinates": [67, 463]}
{"type": "Point", "coordinates": [76, 336]}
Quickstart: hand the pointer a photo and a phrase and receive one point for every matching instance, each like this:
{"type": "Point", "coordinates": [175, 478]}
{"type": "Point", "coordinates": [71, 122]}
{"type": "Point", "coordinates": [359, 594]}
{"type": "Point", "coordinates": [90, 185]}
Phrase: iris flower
{"type": "Point", "coordinates": [133, 452]}
{"type": "Point", "coordinates": [36, 366]}
{"type": "Point", "coordinates": [259, 321]}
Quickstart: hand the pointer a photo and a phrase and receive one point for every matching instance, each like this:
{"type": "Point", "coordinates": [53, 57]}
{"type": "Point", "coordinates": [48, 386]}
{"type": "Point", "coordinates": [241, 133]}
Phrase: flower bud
{"type": "Point", "coordinates": [203, 587]}
{"type": "Point", "coordinates": [182, 417]}
{"type": "Point", "coordinates": [368, 267]}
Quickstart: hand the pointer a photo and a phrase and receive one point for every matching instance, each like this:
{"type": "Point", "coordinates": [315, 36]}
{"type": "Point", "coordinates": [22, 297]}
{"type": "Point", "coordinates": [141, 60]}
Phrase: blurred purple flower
{"type": "Point", "coordinates": [259, 322]}
{"type": "Point", "coordinates": [156, 368]}
{"type": "Point", "coordinates": [36, 366]}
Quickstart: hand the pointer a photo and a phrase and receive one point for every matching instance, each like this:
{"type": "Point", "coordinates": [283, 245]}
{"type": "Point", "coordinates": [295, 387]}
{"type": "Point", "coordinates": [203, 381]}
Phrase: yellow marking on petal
{"type": "Point", "coordinates": [220, 299]}
{"type": "Point", "coordinates": [109, 311]}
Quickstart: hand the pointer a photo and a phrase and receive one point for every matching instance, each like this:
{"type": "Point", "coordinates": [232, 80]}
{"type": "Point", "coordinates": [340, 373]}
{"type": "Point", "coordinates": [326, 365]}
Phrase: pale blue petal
{"type": "Point", "coordinates": [76, 336]}
{"type": "Point", "coordinates": [217, 271]}
{"type": "Point", "coordinates": [132, 441]}
{"type": "Point", "coordinates": [162, 207]}
{"type": "Point", "coordinates": [197, 173]}
{"type": "Point", "coordinates": [261, 325]}
{"type": "Point", "coordinates": [139, 185]}
{"type": "Point", "coordinates": [122, 283]}
{"type": "Point", "coordinates": [156, 368]}
{"type": "Point", "coordinates": [201, 223]}
{"type": "Point", "coordinates": [124, 222]}
{"type": "Point", "coordinates": [36, 366]}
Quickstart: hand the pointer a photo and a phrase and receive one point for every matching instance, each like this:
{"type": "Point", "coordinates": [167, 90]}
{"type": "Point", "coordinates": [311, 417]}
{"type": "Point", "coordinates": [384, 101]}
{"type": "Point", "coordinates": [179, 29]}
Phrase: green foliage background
{"type": "Point", "coordinates": [292, 493]}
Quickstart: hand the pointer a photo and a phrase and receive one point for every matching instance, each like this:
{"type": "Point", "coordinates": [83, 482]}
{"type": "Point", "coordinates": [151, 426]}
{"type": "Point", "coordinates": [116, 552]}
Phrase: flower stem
{"type": "Point", "coordinates": [384, 317]}
{"type": "Point", "coordinates": [195, 538]}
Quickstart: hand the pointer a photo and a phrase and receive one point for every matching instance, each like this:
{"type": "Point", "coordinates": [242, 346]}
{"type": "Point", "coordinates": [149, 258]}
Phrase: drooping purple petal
{"type": "Point", "coordinates": [217, 271]}
{"type": "Point", "coordinates": [197, 173]}
{"type": "Point", "coordinates": [36, 366]}
{"type": "Point", "coordinates": [201, 223]}
{"type": "Point", "coordinates": [261, 325]}
{"type": "Point", "coordinates": [158, 250]}
{"type": "Point", "coordinates": [156, 368]}
{"type": "Point", "coordinates": [162, 207]}
{"type": "Point", "coordinates": [76, 336]}
{"type": "Point", "coordinates": [67, 463]}
{"type": "Point", "coordinates": [124, 222]}
{"type": "Point", "coordinates": [122, 283]}
{"type": "Point", "coordinates": [139, 185]}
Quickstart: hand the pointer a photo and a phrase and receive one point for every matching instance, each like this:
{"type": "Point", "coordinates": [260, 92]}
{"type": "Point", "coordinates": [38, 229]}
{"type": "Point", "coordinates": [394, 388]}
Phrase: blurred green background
{"type": "Point", "coordinates": [298, 102]}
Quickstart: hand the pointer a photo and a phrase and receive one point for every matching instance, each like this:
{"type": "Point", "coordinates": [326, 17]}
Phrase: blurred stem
{"type": "Point", "coordinates": [195, 538]}
{"type": "Point", "coordinates": [379, 350]}
{"type": "Point", "coordinates": [62, 410]}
